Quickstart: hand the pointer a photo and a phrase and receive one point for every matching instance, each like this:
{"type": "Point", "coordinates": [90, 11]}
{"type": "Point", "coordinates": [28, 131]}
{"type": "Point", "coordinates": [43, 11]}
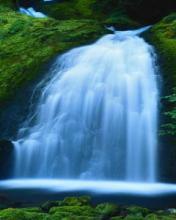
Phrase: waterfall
{"type": "Point", "coordinates": [97, 117]}
{"type": "Point", "coordinates": [31, 12]}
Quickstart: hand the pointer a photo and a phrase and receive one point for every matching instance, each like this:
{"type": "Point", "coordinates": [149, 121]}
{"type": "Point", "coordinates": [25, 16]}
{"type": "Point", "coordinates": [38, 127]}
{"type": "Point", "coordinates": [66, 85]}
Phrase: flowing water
{"type": "Point", "coordinates": [31, 12]}
{"type": "Point", "coordinates": [97, 117]}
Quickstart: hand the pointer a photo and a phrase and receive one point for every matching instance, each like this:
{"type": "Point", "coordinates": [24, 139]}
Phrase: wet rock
{"type": "Point", "coordinates": [6, 158]}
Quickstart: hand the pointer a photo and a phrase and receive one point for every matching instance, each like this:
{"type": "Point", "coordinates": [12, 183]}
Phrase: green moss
{"type": "Point", "coordinates": [20, 214]}
{"type": "Point", "coordinates": [163, 37]}
{"type": "Point", "coordinates": [32, 209]}
{"type": "Point", "coordinates": [133, 217]}
{"type": "Point", "coordinates": [85, 8]}
{"type": "Point", "coordinates": [27, 43]}
{"type": "Point", "coordinates": [167, 217]}
{"type": "Point", "coordinates": [48, 205]}
{"type": "Point", "coordinates": [152, 217]}
{"type": "Point", "coordinates": [76, 201]}
{"type": "Point", "coordinates": [107, 209]}
{"type": "Point", "coordinates": [90, 9]}
{"type": "Point", "coordinates": [116, 218]}
{"type": "Point", "coordinates": [8, 3]}
{"type": "Point", "coordinates": [121, 20]}
{"type": "Point", "coordinates": [74, 210]}
{"type": "Point", "coordinates": [70, 9]}
{"type": "Point", "coordinates": [137, 211]}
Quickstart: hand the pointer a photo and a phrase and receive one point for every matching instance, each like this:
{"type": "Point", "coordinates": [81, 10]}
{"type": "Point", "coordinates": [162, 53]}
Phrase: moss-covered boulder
{"type": "Point", "coordinates": [27, 43]}
{"type": "Point", "coordinates": [20, 214]}
{"type": "Point", "coordinates": [77, 211]}
{"type": "Point", "coordinates": [70, 9]}
{"type": "Point", "coordinates": [137, 211]}
{"type": "Point", "coordinates": [76, 201]}
{"type": "Point", "coordinates": [124, 12]}
{"type": "Point", "coordinates": [107, 210]}
{"type": "Point", "coordinates": [86, 9]}
{"type": "Point", "coordinates": [8, 3]}
{"type": "Point", "coordinates": [163, 37]}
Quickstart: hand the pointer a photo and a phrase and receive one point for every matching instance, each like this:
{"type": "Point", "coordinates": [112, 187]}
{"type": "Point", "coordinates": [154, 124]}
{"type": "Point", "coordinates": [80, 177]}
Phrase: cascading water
{"type": "Point", "coordinates": [97, 117]}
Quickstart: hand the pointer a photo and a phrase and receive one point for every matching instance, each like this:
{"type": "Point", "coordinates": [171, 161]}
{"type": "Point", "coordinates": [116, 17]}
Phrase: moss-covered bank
{"type": "Point", "coordinates": [114, 14]}
{"type": "Point", "coordinates": [80, 208]}
{"type": "Point", "coordinates": [124, 12]}
{"type": "Point", "coordinates": [163, 36]}
{"type": "Point", "coordinates": [26, 43]}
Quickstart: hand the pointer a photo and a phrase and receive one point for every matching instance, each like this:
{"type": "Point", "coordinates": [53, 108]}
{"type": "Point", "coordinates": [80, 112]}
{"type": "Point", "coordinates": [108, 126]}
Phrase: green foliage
{"type": "Point", "coordinates": [20, 214]}
{"type": "Point", "coordinates": [107, 209]}
{"type": "Point", "coordinates": [74, 9]}
{"type": "Point", "coordinates": [80, 208]}
{"type": "Point", "coordinates": [152, 217]}
{"type": "Point", "coordinates": [137, 211]}
{"type": "Point", "coordinates": [74, 210]}
{"type": "Point", "coordinates": [8, 3]}
{"type": "Point", "coordinates": [76, 201]}
{"type": "Point", "coordinates": [27, 43]}
{"type": "Point", "coordinates": [163, 37]}
{"type": "Point", "coordinates": [79, 9]}
{"type": "Point", "coordinates": [121, 20]}
{"type": "Point", "coordinates": [169, 128]}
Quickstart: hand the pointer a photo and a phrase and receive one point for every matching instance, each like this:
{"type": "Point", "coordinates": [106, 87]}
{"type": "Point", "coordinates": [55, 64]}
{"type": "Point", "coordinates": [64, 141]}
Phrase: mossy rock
{"type": "Point", "coordinates": [163, 36]}
{"type": "Point", "coordinates": [69, 216]}
{"type": "Point", "coordinates": [48, 205]}
{"type": "Point", "coordinates": [137, 211]}
{"type": "Point", "coordinates": [152, 217]}
{"type": "Point", "coordinates": [76, 201]}
{"type": "Point", "coordinates": [107, 209]}
{"type": "Point", "coordinates": [120, 20]}
{"type": "Point", "coordinates": [116, 218]}
{"type": "Point", "coordinates": [8, 3]}
{"type": "Point", "coordinates": [79, 9]}
{"type": "Point", "coordinates": [20, 214]}
{"type": "Point", "coordinates": [133, 217]}
{"type": "Point", "coordinates": [32, 209]}
{"type": "Point", "coordinates": [72, 9]}
{"type": "Point", "coordinates": [27, 43]}
{"type": "Point", "coordinates": [74, 210]}
{"type": "Point", "coordinates": [167, 217]}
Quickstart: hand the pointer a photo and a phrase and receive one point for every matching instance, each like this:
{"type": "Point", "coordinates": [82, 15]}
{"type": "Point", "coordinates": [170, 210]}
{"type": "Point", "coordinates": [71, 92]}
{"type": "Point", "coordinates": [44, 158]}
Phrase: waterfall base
{"type": "Point", "coordinates": [103, 187]}
{"type": "Point", "coordinates": [27, 191]}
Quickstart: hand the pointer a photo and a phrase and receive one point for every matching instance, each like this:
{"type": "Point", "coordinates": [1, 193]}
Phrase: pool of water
{"type": "Point", "coordinates": [31, 192]}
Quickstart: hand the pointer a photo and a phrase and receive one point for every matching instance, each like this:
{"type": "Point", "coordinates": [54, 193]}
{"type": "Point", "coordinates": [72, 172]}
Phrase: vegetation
{"type": "Point", "coordinates": [80, 208]}
{"type": "Point", "coordinates": [142, 11]}
{"type": "Point", "coordinates": [26, 43]}
{"type": "Point", "coordinates": [169, 128]}
{"type": "Point", "coordinates": [163, 37]}
{"type": "Point", "coordinates": [89, 9]}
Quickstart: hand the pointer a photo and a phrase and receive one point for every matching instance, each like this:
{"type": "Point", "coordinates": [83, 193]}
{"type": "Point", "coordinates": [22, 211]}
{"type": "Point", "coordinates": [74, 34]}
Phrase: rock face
{"type": "Point", "coordinates": [6, 158]}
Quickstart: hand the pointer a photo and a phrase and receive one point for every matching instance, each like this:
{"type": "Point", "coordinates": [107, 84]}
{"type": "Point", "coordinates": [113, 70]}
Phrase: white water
{"type": "Point", "coordinates": [31, 12]}
{"type": "Point", "coordinates": [97, 117]}
{"type": "Point", "coordinates": [102, 187]}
